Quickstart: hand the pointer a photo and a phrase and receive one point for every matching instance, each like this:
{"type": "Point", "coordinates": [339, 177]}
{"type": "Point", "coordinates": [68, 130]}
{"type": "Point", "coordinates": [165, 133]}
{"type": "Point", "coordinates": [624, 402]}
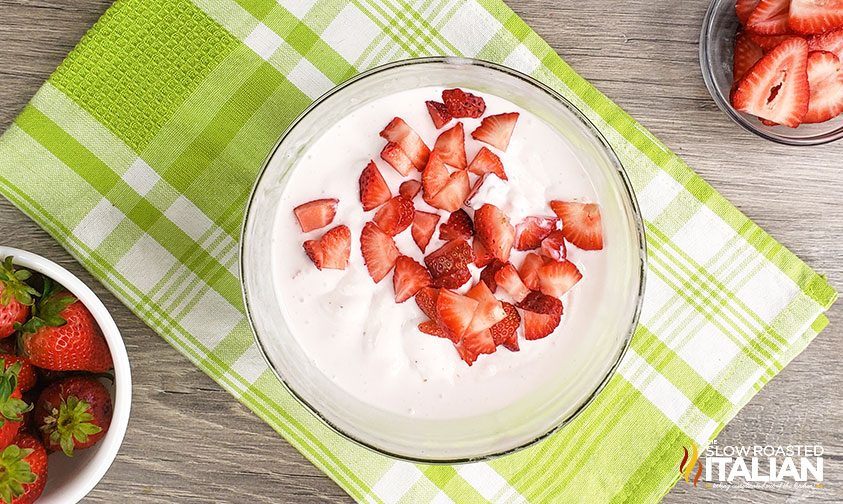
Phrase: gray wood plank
{"type": "Point", "coordinates": [189, 441]}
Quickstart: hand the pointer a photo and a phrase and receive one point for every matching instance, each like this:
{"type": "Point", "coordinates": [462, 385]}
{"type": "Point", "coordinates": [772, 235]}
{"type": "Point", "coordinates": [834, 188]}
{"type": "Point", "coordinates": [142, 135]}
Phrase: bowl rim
{"type": "Point", "coordinates": [627, 190]}
{"type": "Point", "coordinates": [109, 446]}
{"type": "Point", "coordinates": [725, 105]}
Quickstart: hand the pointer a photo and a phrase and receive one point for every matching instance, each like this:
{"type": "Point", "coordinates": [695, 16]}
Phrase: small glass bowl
{"type": "Point", "coordinates": [717, 45]}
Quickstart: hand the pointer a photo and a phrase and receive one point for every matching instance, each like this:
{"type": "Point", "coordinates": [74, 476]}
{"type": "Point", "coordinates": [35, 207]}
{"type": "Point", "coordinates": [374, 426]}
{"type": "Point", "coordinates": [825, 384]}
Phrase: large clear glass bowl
{"type": "Point", "coordinates": [540, 411]}
{"type": "Point", "coordinates": [717, 50]}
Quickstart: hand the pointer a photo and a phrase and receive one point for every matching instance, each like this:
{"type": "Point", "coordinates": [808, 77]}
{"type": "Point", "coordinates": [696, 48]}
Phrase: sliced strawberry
{"type": "Point", "coordinates": [332, 250]}
{"type": "Point", "coordinates": [530, 233]}
{"type": "Point", "coordinates": [439, 113]}
{"type": "Point", "coordinates": [554, 246]}
{"type": "Point", "coordinates": [451, 197]}
{"type": "Point", "coordinates": [426, 299]}
{"type": "Point", "coordinates": [410, 142]}
{"type": "Point", "coordinates": [581, 223]}
{"type": "Point", "coordinates": [744, 8]}
{"type": "Point", "coordinates": [769, 17]}
{"type": "Point", "coordinates": [505, 332]}
{"type": "Point", "coordinates": [482, 257]}
{"type": "Point", "coordinates": [487, 161]}
{"type": "Point", "coordinates": [395, 215]}
{"type": "Point", "coordinates": [434, 329]}
{"type": "Point", "coordinates": [474, 344]}
{"type": "Point", "coordinates": [453, 280]}
{"type": "Point", "coordinates": [458, 227]}
{"type": "Point", "coordinates": [539, 302]}
{"type": "Point", "coordinates": [451, 146]}
{"type": "Point", "coordinates": [454, 312]}
{"type": "Point", "coordinates": [452, 256]}
{"type": "Point", "coordinates": [397, 159]}
{"type": "Point", "coordinates": [373, 189]}
{"type": "Point", "coordinates": [494, 230]}
{"type": "Point", "coordinates": [409, 278]}
{"type": "Point", "coordinates": [830, 42]}
{"type": "Point", "coordinates": [316, 214]}
{"type": "Point", "coordinates": [529, 270]}
{"type": "Point", "coordinates": [825, 78]}
{"type": "Point", "coordinates": [462, 104]}
{"type": "Point", "coordinates": [766, 42]}
{"type": "Point", "coordinates": [747, 53]}
{"type": "Point", "coordinates": [556, 278]}
{"type": "Point", "coordinates": [409, 189]}
{"type": "Point", "coordinates": [435, 176]}
{"type": "Point", "coordinates": [496, 130]}
{"type": "Point", "coordinates": [489, 310]}
{"type": "Point", "coordinates": [490, 271]}
{"type": "Point", "coordinates": [507, 277]}
{"type": "Point", "coordinates": [424, 225]}
{"type": "Point", "coordinates": [379, 251]}
{"type": "Point", "coordinates": [539, 325]}
{"type": "Point", "coordinates": [815, 16]}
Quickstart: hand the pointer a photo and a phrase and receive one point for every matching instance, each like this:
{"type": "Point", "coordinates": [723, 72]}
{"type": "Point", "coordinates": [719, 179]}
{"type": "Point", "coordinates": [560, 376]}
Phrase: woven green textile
{"type": "Point", "coordinates": [139, 153]}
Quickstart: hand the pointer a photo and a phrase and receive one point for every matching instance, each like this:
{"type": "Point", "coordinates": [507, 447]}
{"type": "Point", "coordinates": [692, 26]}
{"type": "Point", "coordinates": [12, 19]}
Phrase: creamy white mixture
{"type": "Point", "coordinates": [353, 330]}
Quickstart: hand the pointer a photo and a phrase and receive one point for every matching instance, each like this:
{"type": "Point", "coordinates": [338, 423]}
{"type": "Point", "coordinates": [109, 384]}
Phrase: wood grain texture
{"type": "Point", "coordinates": [190, 442]}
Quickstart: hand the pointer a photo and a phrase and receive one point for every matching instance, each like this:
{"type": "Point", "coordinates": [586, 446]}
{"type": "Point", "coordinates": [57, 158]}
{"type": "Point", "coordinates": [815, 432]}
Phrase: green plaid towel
{"type": "Point", "coordinates": [139, 153]}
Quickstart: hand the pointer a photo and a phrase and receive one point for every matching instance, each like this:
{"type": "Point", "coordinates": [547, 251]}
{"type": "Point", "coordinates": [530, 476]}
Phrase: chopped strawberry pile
{"type": "Point", "coordinates": [488, 279]}
{"type": "Point", "coordinates": [787, 62]}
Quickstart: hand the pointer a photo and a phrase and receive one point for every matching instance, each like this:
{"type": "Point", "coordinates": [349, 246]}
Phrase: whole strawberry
{"type": "Point", "coordinates": [73, 413]}
{"type": "Point", "coordinates": [12, 407]}
{"type": "Point", "coordinates": [23, 470]}
{"type": "Point", "coordinates": [62, 335]}
{"type": "Point", "coordinates": [15, 297]}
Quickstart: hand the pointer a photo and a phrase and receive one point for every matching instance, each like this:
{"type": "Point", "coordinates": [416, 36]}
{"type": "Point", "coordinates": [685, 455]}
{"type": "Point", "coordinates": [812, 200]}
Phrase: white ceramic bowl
{"type": "Point", "coordinates": [70, 479]}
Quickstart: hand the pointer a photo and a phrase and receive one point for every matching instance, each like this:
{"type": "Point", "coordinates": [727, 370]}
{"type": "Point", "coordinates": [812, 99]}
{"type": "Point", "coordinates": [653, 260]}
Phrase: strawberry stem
{"type": "Point", "coordinates": [14, 472]}
{"type": "Point", "coordinates": [14, 284]}
{"type": "Point", "coordinates": [47, 312]}
{"type": "Point", "coordinates": [11, 408]}
{"type": "Point", "coordinates": [68, 423]}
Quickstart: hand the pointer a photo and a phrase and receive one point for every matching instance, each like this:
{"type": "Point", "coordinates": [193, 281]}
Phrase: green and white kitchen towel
{"type": "Point", "coordinates": [139, 153]}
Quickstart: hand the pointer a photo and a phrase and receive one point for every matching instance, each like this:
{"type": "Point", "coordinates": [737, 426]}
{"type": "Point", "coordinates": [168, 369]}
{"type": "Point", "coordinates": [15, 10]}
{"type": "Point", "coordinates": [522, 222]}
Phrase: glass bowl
{"type": "Point", "coordinates": [717, 45]}
{"type": "Point", "coordinates": [554, 400]}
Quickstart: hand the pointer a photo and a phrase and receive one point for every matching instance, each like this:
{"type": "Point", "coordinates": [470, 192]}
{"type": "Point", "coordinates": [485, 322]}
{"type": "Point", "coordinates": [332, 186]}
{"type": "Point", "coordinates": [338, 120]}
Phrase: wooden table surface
{"type": "Point", "coordinates": [190, 442]}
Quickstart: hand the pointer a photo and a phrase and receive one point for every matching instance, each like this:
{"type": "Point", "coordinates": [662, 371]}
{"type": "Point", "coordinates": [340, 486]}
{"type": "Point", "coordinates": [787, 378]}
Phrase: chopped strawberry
{"type": "Point", "coordinates": [744, 8]}
{"type": "Point", "coordinates": [507, 277]}
{"type": "Point", "coordinates": [434, 329]}
{"type": "Point", "coordinates": [831, 42]}
{"type": "Point", "coordinates": [505, 332]}
{"type": "Point", "coordinates": [766, 42]}
{"type": "Point", "coordinates": [487, 161]}
{"type": "Point", "coordinates": [776, 88]}
{"type": "Point", "coordinates": [472, 345]}
{"type": "Point", "coordinates": [554, 246]}
{"type": "Point", "coordinates": [448, 264]}
{"type": "Point", "coordinates": [316, 214]}
{"type": "Point", "coordinates": [410, 142]}
{"type": "Point", "coordinates": [496, 130]}
{"type": "Point", "coordinates": [454, 312]}
{"type": "Point", "coordinates": [409, 189]}
{"type": "Point", "coordinates": [489, 310]}
{"type": "Point", "coordinates": [556, 278]}
{"type": "Point", "coordinates": [490, 271]}
{"type": "Point", "coordinates": [409, 278]}
{"type": "Point", "coordinates": [529, 270]}
{"type": "Point", "coordinates": [435, 176]}
{"type": "Point", "coordinates": [453, 195]}
{"type": "Point", "coordinates": [379, 251]}
{"type": "Point", "coordinates": [539, 325]}
{"type": "Point", "coordinates": [494, 230]}
{"type": "Point", "coordinates": [397, 159]}
{"type": "Point", "coordinates": [424, 225]}
{"type": "Point", "coordinates": [426, 299]}
{"type": "Point", "coordinates": [530, 233]}
{"type": "Point", "coordinates": [581, 223]}
{"type": "Point", "coordinates": [395, 215]}
{"type": "Point", "coordinates": [373, 189]}
{"type": "Point", "coordinates": [747, 53]}
{"type": "Point", "coordinates": [825, 78]}
{"type": "Point", "coordinates": [769, 18]}
{"type": "Point", "coordinates": [482, 257]}
{"type": "Point", "coordinates": [462, 104]}
{"type": "Point", "coordinates": [539, 302]}
{"type": "Point", "coordinates": [332, 250]}
{"type": "Point", "coordinates": [439, 113]}
{"type": "Point", "coordinates": [453, 280]}
{"type": "Point", "coordinates": [451, 146]}
{"type": "Point", "coordinates": [458, 227]}
{"type": "Point", "coordinates": [815, 16]}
